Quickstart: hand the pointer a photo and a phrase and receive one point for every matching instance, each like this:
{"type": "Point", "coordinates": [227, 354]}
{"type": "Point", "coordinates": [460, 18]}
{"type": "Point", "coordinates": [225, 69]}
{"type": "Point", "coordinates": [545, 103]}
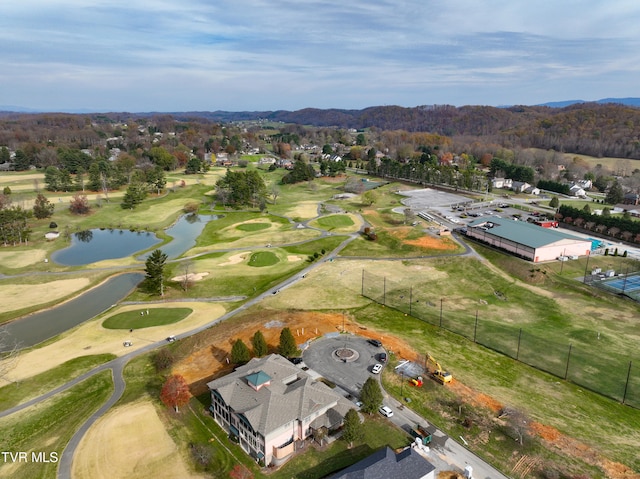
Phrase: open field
{"type": "Point", "coordinates": [118, 446]}
{"type": "Point", "coordinates": [48, 426]}
{"type": "Point", "coordinates": [505, 293]}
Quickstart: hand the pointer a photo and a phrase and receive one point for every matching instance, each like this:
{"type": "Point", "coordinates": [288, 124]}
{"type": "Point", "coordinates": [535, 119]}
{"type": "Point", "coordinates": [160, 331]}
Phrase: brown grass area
{"type": "Point", "coordinates": [426, 241]}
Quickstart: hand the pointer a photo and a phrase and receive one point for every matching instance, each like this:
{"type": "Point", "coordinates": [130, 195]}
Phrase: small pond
{"type": "Point", "coordinates": [99, 244]}
{"type": "Point", "coordinates": [184, 232]}
{"type": "Point", "coordinates": [96, 245]}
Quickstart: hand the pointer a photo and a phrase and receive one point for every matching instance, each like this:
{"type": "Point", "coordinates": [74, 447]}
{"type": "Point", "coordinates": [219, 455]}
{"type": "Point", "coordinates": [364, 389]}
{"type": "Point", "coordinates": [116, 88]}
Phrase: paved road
{"type": "Point", "coordinates": [117, 365]}
{"type": "Point", "coordinates": [445, 453]}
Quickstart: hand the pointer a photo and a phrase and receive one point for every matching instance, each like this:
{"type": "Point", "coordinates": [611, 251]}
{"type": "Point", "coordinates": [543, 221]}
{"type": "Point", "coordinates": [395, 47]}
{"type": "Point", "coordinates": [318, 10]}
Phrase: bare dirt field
{"type": "Point", "coordinates": [209, 360]}
{"type": "Point", "coordinates": [128, 442]}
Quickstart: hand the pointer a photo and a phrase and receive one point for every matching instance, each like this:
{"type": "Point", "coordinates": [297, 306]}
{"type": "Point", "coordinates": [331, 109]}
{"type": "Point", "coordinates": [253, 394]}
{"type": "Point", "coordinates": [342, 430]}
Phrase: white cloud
{"type": "Point", "coordinates": [270, 54]}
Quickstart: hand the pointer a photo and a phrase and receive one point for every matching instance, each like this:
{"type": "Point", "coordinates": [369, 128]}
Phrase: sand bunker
{"type": "Point", "coordinates": [190, 277]}
{"type": "Point", "coordinates": [236, 258]}
{"type": "Point", "coordinates": [292, 257]}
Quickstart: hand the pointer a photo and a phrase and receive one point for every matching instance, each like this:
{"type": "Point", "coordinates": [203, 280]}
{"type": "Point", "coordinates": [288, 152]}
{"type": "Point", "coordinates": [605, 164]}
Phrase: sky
{"type": "Point", "coordinates": [256, 55]}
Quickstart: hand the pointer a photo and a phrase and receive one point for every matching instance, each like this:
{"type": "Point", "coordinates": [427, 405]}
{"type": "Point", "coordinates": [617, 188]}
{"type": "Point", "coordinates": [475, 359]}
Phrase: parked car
{"type": "Point", "coordinates": [376, 368]}
{"type": "Point", "coordinates": [385, 411]}
{"type": "Point", "coordinates": [382, 357]}
{"type": "Point", "coordinates": [375, 342]}
{"type": "Point", "coordinates": [295, 360]}
{"type": "Point", "coordinates": [171, 339]}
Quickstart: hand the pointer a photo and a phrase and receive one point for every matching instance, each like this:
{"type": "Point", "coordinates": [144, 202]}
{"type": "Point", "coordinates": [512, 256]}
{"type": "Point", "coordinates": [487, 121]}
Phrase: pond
{"type": "Point", "coordinates": [38, 327]}
{"type": "Point", "coordinates": [184, 232]}
{"type": "Point", "coordinates": [96, 245]}
{"type": "Point", "coordinates": [99, 244]}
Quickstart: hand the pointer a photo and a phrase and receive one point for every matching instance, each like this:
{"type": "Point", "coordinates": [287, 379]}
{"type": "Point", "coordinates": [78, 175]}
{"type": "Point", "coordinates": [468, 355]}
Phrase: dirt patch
{"type": "Point", "coordinates": [426, 241]}
{"type": "Point", "coordinates": [117, 445]}
{"type": "Point", "coordinates": [18, 295]}
{"type": "Point", "coordinates": [190, 277]}
{"type": "Point", "coordinates": [292, 258]}
{"type": "Point", "coordinates": [210, 359]}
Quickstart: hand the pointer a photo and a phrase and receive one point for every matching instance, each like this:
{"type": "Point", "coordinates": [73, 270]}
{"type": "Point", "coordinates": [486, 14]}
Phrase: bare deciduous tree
{"type": "Point", "coordinates": [8, 352]}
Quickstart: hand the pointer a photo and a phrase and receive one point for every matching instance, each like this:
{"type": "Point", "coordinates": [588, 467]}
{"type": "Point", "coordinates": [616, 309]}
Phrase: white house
{"type": "Point", "coordinates": [520, 186]}
{"type": "Point", "coordinates": [577, 190]}
{"type": "Point", "coordinates": [498, 183]}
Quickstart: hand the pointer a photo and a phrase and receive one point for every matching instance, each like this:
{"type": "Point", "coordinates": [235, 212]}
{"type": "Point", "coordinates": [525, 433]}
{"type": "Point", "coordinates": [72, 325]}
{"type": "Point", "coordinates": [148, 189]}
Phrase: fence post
{"type": "Point", "coordinates": [410, 299]}
{"type": "Point", "coordinates": [475, 327]}
{"type": "Point", "coordinates": [384, 290]}
{"type": "Point", "coordinates": [626, 385]}
{"type": "Point", "coordinates": [518, 350]}
{"type": "Point", "coordinates": [566, 371]}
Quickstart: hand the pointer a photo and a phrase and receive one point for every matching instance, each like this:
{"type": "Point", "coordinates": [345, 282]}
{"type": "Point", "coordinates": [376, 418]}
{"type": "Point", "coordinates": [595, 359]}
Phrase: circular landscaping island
{"type": "Point", "coordinates": [263, 258]}
{"type": "Point", "coordinates": [335, 221]}
{"type": "Point", "coordinates": [145, 318]}
{"type": "Point", "coordinates": [253, 226]}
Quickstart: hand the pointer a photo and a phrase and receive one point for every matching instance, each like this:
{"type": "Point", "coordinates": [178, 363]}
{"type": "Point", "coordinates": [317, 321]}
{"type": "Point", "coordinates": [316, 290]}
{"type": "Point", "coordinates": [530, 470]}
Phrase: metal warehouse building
{"type": "Point", "coordinates": [531, 242]}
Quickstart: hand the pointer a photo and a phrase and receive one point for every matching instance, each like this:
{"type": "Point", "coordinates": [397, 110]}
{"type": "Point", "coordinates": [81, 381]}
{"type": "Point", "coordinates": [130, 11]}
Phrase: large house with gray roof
{"type": "Point", "coordinates": [526, 240]}
{"type": "Point", "coordinates": [271, 407]}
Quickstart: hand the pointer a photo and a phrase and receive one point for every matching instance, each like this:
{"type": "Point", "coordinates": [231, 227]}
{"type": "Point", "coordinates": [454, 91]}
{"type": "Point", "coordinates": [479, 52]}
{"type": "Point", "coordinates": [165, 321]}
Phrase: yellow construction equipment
{"type": "Point", "coordinates": [443, 377]}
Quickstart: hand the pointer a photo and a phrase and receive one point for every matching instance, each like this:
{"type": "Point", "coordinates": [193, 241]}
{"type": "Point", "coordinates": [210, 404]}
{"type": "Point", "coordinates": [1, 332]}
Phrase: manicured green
{"type": "Point", "coordinates": [139, 318]}
{"type": "Point", "coordinates": [335, 221]}
{"type": "Point", "coordinates": [22, 391]}
{"type": "Point", "coordinates": [263, 258]}
{"type": "Point", "coordinates": [48, 426]}
{"type": "Point", "coordinates": [253, 226]}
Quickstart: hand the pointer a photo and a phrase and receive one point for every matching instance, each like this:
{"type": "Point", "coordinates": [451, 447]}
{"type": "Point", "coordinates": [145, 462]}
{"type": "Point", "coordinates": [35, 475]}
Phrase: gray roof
{"type": "Point", "coordinates": [291, 394]}
{"type": "Point", "coordinates": [385, 464]}
{"type": "Point", "coordinates": [527, 234]}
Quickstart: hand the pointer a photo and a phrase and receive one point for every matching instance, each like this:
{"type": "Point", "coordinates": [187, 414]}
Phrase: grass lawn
{"type": "Point", "coordinates": [48, 426]}
{"type": "Point", "coordinates": [20, 392]}
{"type": "Point", "coordinates": [139, 319]}
{"type": "Point", "coordinates": [263, 258]}
{"type": "Point", "coordinates": [253, 226]}
{"type": "Point", "coordinates": [335, 221]}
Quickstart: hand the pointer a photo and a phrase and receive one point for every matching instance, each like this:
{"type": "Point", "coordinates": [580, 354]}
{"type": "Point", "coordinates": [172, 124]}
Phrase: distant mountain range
{"type": "Point", "coordinates": [622, 101]}
{"type": "Point", "coordinates": [251, 115]}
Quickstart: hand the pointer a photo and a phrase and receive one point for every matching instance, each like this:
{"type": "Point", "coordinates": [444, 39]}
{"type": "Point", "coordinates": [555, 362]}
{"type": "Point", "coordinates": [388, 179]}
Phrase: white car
{"type": "Point", "coordinates": [376, 368]}
{"type": "Point", "coordinates": [385, 411]}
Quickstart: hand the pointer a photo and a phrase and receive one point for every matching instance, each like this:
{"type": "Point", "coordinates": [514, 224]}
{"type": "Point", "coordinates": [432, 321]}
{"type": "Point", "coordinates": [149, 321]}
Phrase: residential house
{"type": "Point", "coordinates": [271, 407]}
{"type": "Point", "coordinates": [267, 160]}
{"type": "Point", "coordinates": [578, 191]}
{"type": "Point", "coordinates": [498, 183]}
{"type": "Point", "coordinates": [532, 190]}
{"type": "Point", "coordinates": [520, 186]}
{"type": "Point", "coordinates": [385, 464]}
{"type": "Point", "coordinates": [631, 199]}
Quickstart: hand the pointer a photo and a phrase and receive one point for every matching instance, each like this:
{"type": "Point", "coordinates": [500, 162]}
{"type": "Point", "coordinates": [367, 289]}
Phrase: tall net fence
{"type": "Point", "coordinates": [611, 376]}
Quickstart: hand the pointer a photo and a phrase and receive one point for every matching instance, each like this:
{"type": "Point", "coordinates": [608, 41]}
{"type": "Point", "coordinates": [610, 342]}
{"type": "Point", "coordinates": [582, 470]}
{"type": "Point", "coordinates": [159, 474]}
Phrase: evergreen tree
{"type": "Point", "coordinates": [136, 193]}
{"type": "Point", "coordinates": [259, 344]}
{"type": "Point", "coordinates": [52, 178]}
{"type": "Point", "coordinates": [615, 194]}
{"type": "Point", "coordinates": [554, 203]}
{"type": "Point", "coordinates": [240, 353]}
{"type": "Point", "coordinates": [42, 208]}
{"type": "Point", "coordinates": [287, 346]}
{"type": "Point", "coordinates": [352, 429]}
{"type": "Point", "coordinates": [154, 269]}
{"type": "Point", "coordinates": [371, 396]}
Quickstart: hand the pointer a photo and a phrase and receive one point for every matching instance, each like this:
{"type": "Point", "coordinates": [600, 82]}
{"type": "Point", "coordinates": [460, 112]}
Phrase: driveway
{"type": "Point", "coordinates": [444, 453]}
{"type": "Point", "coordinates": [349, 374]}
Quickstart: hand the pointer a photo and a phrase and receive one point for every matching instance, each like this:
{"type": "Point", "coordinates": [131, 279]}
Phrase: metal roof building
{"type": "Point", "coordinates": [528, 241]}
